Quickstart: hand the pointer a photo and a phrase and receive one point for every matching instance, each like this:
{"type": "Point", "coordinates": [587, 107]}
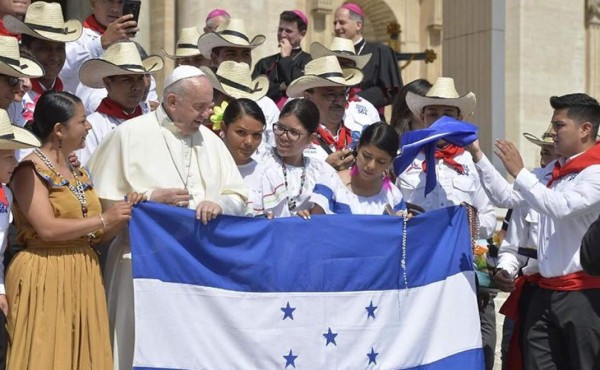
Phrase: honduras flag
{"type": "Point", "coordinates": [332, 292]}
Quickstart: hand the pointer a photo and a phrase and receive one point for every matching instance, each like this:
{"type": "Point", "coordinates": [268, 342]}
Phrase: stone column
{"type": "Point", "coordinates": [473, 44]}
{"type": "Point", "coordinates": [163, 30]}
{"type": "Point", "coordinates": [593, 48]}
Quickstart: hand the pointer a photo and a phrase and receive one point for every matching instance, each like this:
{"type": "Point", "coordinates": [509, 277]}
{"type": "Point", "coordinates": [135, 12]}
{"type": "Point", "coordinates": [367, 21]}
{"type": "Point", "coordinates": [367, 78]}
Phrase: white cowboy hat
{"type": "Point", "coordinates": [45, 21]}
{"type": "Point", "coordinates": [14, 137]}
{"type": "Point", "coordinates": [230, 34]}
{"type": "Point", "coordinates": [187, 44]}
{"type": "Point", "coordinates": [11, 63]}
{"type": "Point", "coordinates": [122, 58]}
{"type": "Point", "coordinates": [443, 92]}
{"type": "Point", "coordinates": [235, 80]}
{"type": "Point", "coordinates": [547, 137]}
{"type": "Point", "coordinates": [341, 48]}
{"type": "Point", "coordinates": [324, 72]}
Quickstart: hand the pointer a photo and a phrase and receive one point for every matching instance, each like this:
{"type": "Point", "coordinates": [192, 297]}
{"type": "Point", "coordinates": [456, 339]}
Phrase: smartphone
{"type": "Point", "coordinates": [132, 7]}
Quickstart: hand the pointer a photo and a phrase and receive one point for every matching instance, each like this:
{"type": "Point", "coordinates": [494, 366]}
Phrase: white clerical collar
{"type": "Point", "coordinates": [359, 41]}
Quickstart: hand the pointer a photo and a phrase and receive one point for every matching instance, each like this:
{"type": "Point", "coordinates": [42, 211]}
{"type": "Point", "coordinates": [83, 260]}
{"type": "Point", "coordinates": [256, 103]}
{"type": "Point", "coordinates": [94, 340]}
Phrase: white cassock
{"type": "Point", "coordinates": [147, 153]}
{"type": "Point", "coordinates": [102, 125]}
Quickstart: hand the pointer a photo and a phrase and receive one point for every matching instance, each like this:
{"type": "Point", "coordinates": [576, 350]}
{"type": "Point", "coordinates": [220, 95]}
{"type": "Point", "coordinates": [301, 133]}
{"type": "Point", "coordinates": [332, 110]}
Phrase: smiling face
{"type": "Point", "coordinates": [127, 90]}
{"type": "Point", "coordinates": [346, 27]}
{"type": "Point", "coordinates": [242, 137]}
{"type": "Point", "coordinates": [51, 55]}
{"type": "Point", "coordinates": [8, 163]}
{"type": "Point", "coordinates": [191, 106]}
{"type": "Point", "coordinates": [291, 137]}
{"type": "Point", "coordinates": [16, 8]}
{"type": "Point", "coordinates": [331, 102]}
{"type": "Point", "coordinates": [74, 131]}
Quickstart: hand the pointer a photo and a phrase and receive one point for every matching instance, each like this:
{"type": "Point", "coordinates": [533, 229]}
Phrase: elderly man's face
{"type": "Point", "coordinates": [331, 102]}
{"type": "Point", "coordinates": [346, 27]}
{"type": "Point", "coordinates": [16, 8]}
{"type": "Point", "coordinates": [107, 11]}
{"type": "Point", "coordinates": [190, 107]}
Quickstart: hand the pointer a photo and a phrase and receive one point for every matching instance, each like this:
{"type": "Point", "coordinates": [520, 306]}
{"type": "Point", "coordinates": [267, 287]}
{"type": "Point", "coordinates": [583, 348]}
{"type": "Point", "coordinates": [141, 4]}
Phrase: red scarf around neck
{"type": "Point", "coordinates": [447, 155]}
{"type": "Point", "coordinates": [37, 87]}
{"type": "Point", "coordinates": [5, 32]}
{"type": "Point", "coordinates": [3, 198]}
{"type": "Point", "coordinates": [91, 23]}
{"type": "Point", "coordinates": [114, 109]}
{"type": "Point", "coordinates": [576, 165]}
{"type": "Point", "coordinates": [344, 138]}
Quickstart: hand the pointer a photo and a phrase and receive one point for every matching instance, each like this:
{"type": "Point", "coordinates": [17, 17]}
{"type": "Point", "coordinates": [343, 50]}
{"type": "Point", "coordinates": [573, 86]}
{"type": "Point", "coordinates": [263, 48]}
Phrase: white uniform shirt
{"type": "Point", "coordinates": [566, 211]}
{"type": "Point", "coordinates": [360, 114]}
{"type": "Point", "coordinates": [452, 189]}
{"type": "Point", "coordinates": [251, 173]}
{"type": "Point", "coordinates": [271, 112]}
{"type": "Point", "coordinates": [102, 125]}
{"type": "Point", "coordinates": [88, 46]}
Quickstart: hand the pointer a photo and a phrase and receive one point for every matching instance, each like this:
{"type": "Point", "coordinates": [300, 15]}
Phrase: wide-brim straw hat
{"type": "Point", "coordinates": [14, 137]}
{"type": "Point", "coordinates": [45, 21]}
{"type": "Point", "coordinates": [235, 80]}
{"type": "Point", "coordinates": [187, 44]}
{"type": "Point", "coordinates": [230, 34]}
{"type": "Point", "coordinates": [341, 48]}
{"type": "Point", "coordinates": [122, 58]}
{"type": "Point", "coordinates": [324, 72]}
{"type": "Point", "coordinates": [547, 137]}
{"type": "Point", "coordinates": [11, 63]}
{"type": "Point", "coordinates": [443, 92]}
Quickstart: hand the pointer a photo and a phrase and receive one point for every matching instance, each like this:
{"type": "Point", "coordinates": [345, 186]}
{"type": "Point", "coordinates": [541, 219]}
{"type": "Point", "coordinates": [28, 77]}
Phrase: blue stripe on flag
{"type": "Point", "coordinates": [471, 359]}
{"type": "Point", "coordinates": [324, 254]}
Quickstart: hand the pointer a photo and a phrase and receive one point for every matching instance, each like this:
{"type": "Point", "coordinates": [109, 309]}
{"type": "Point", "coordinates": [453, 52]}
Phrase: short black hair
{"type": "Point", "coordinates": [580, 107]}
{"type": "Point", "coordinates": [305, 110]}
{"type": "Point", "coordinates": [383, 136]}
{"type": "Point", "coordinates": [289, 16]}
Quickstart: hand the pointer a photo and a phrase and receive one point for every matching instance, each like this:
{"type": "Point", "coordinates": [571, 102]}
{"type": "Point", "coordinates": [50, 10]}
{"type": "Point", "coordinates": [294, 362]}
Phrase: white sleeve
{"type": "Point", "coordinates": [499, 191]}
{"type": "Point", "coordinates": [517, 233]}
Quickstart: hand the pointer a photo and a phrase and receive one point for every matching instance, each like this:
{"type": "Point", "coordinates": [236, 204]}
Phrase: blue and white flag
{"type": "Point", "coordinates": [332, 292]}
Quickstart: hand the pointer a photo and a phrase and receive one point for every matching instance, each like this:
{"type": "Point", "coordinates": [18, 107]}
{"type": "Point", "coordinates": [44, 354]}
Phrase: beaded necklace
{"type": "Point", "coordinates": [293, 200]}
{"type": "Point", "coordinates": [78, 189]}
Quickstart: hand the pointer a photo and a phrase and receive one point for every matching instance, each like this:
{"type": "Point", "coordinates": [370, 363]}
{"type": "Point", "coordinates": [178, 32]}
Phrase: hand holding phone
{"type": "Point", "coordinates": [132, 7]}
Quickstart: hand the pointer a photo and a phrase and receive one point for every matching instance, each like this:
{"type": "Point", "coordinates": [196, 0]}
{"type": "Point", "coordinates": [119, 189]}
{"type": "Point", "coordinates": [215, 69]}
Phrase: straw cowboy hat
{"type": "Point", "coordinates": [230, 34]}
{"type": "Point", "coordinates": [14, 137]}
{"type": "Point", "coordinates": [11, 63]}
{"type": "Point", "coordinates": [234, 80]}
{"type": "Point", "coordinates": [443, 92]}
{"type": "Point", "coordinates": [122, 58]}
{"type": "Point", "coordinates": [547, 137]}
{"type": "Point", "coordinates": [187, 44]}
{"type": "Point", "coordinates": [45, 21]}
{"type": "Point", "coordinates": [341, 48]}
{"type": "Point", "coordinates": [324, 72]}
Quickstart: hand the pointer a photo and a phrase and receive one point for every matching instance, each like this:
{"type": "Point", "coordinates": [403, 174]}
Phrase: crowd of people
{"type": "Point", "coordinates": [299, 134]}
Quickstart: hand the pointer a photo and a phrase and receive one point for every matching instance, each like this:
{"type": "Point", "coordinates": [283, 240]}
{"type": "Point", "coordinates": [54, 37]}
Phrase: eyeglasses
{"type": "Point", "coordinates": [12, 81]}
{"type": "Point", "coordinates": [292, 134]}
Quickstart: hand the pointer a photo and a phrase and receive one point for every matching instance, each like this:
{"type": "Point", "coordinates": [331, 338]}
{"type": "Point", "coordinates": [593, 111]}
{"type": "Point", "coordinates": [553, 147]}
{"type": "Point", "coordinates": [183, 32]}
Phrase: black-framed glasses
{"type": "Point", "coordinates": [12, 81]}
{"type": "Point", "coordinates": [292, 134]}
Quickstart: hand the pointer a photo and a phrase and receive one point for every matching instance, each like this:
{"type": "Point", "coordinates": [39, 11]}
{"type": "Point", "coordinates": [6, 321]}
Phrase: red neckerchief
{"type": "Point", "coordinates": [3, 198]}
{"type": "Point", "coordinates": [344, 137]}
{"type": "Point", "coordinates": [572, 282]}
{"type": "Point", "coordinates": [352, 95]}
{"type": "Point", "coordinates": [5, 32]}
{"type": "Point", "coordinates": [576, 165]}
{"type": "Point", "coordinates": [91, 23]}
{"type": "Point", "coordinates": [37, 87]}
{"type": "Point", "coordinates": [114, 109]}
{"type": "Point", "coordinates": [447, 155]}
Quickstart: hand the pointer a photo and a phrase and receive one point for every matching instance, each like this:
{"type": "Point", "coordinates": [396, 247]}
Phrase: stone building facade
{"type": "Point", "coordinates": [513, 54]}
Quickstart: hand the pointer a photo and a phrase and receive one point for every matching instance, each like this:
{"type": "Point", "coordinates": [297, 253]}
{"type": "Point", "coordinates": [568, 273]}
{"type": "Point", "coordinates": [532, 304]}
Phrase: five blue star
{"type": "Point", "coordinates": [288, 311]}
{"type": "Point", "coordinates": [371, 310]}
{"type": "Point", "coordinates": [372, 356]}
{"type": "Point", "coordinates": [290, 359]}
{"type": "Point", "coordinates": [330, 337]}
